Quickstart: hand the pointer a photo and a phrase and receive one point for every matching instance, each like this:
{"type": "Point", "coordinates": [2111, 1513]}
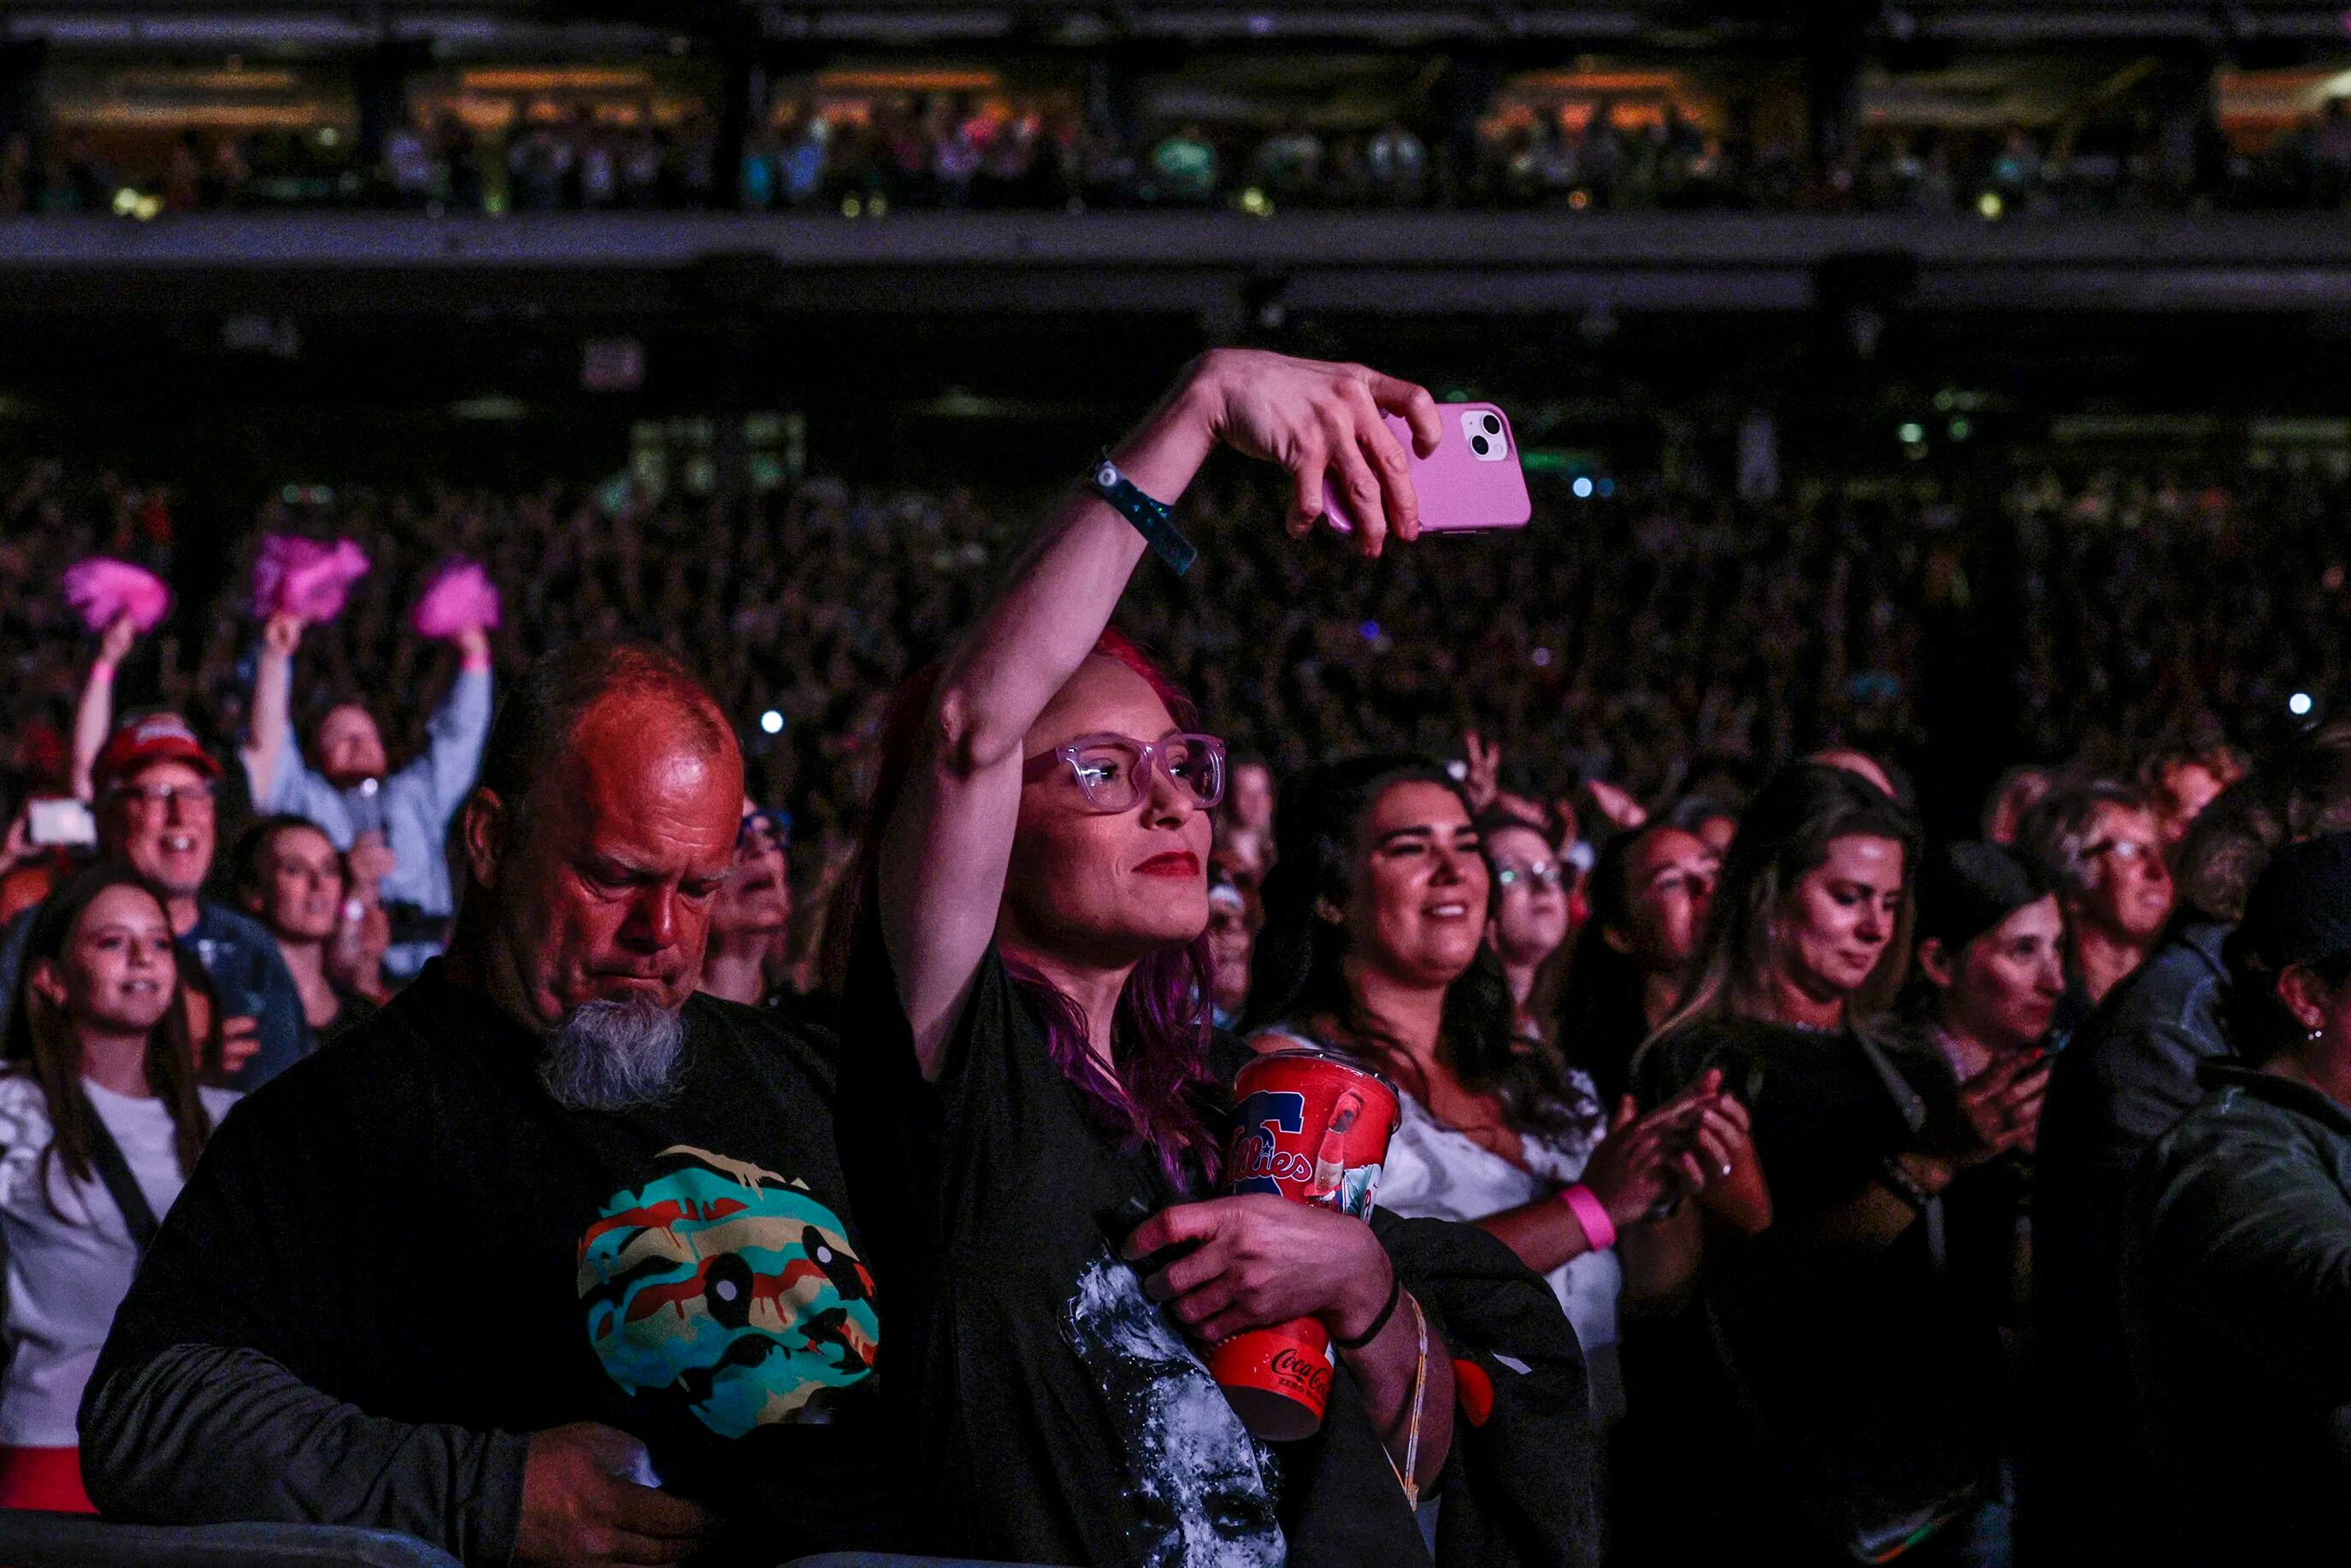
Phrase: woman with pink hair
{"type": "Point", "coordinates": [1037, 1099]}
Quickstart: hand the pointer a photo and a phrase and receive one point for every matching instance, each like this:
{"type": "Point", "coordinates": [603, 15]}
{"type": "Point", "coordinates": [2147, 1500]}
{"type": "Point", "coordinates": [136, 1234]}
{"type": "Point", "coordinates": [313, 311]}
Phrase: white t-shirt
{"type": "Point", "coordinates": [1436, 1172]}
{"type": "Point", "coordinates": [69, 1270]}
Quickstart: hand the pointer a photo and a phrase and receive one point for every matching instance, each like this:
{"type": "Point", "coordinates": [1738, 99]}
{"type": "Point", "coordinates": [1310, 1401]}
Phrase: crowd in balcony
{"type": "Point", "coordinates": [945, 150]}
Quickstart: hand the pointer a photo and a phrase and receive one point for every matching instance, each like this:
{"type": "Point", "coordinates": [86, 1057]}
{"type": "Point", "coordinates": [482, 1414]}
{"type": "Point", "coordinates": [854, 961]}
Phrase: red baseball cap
{"type": "Point", "coordinates": [157, 738]}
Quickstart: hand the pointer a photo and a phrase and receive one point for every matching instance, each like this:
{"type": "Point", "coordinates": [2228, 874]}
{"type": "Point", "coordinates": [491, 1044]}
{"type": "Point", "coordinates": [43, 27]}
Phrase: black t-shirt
{"type": "Point", "coordinates": [410, 1224]}
{"type": "Point", "coordinates": [352, 1011]}
{"type": "Point", "coordinates": [1874, 1379]}
{"type": "Point", "coordinates": [1064, 1416]}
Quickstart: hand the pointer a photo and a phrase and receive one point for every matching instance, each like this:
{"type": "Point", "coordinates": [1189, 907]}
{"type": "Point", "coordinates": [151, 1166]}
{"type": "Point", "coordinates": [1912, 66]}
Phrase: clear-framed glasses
{"type": "Point", "coordinates": [1113, 771]}
{"type": "Point", "coordinates": [159, 797]}
{"type": "Point", "coordinates": [1549, 875]}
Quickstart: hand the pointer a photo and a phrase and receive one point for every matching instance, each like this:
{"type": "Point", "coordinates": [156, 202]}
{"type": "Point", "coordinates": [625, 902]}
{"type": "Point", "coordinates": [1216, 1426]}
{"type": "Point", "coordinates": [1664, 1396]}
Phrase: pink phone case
{"type": "Point", "coordinates": [1461, 489]}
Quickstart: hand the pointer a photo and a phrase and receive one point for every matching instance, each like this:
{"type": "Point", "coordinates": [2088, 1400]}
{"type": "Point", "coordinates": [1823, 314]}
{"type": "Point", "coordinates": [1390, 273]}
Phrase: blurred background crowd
{"type": "Point", "coordinates": [2002, 132]}
{"type": "Point", "coordinates": [1664, 640]}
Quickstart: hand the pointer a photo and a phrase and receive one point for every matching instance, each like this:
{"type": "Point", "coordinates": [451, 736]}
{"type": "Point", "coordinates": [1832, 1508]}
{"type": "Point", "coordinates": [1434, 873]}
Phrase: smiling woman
{"type": "Point", "coordinates": [1373, 946]}
{"type": "Point", "coordinates": [100, 1123]}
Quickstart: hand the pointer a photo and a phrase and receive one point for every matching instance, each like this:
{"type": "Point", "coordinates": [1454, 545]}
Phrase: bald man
{"type": "Point", "coordinates": [548, 1262]}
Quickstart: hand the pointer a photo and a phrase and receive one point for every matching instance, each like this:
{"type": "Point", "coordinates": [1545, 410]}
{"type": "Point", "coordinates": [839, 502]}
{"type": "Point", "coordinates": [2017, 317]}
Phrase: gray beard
{"type": "Point", "coordinates": [609, 1056]}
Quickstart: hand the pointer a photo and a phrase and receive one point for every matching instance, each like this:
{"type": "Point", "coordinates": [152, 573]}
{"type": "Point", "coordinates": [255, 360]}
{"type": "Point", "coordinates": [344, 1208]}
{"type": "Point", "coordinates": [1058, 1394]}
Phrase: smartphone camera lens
{"type": "Point", "coordinates": [1487, 438]}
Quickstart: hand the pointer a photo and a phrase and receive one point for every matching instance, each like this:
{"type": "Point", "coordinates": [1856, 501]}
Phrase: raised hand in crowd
{"type": "Point", "coordinates": [1622, 811]}
{"type": "Point", "coordinates": [94, 712]}
{"type": "Point", "coordinates": [1483, 781]}
{"type": "Point", "coordinates": [1320, 421]}
{"type": "Point", "coordinates": [950, 841]}
{"type": "Point", "coordinates": [269, 725]}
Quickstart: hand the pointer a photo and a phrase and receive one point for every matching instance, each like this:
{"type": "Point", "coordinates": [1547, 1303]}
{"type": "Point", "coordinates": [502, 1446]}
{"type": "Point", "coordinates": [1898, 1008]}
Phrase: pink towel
{"type": "Point", "coordinates": [296, 576]}
{"type": "Point", "coordinates": [103, 587]}
{"type": "Point", "coordinates": [460, 598]}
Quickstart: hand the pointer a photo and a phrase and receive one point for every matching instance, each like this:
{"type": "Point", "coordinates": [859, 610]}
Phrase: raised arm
{"type": "Point", "coordinates": [946, 845]}
{"type": "Point", "coordinates": [94, 713]}
{"type": "Point", "coordinates": [459, 728]}
{"type": "Point", "coordinates": [269, 730]}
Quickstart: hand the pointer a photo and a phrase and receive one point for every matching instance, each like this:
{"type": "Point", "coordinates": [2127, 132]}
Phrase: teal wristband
{"type": "Point", "coordinates": [1155, 521]}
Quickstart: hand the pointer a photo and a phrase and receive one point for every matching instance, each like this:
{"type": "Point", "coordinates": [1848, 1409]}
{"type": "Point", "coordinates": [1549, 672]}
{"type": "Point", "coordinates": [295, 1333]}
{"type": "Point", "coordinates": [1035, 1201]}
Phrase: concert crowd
{"type": "Point", "coordinates": [496, 1051]}
{"type": "Point", "coordinates": [951, 151]}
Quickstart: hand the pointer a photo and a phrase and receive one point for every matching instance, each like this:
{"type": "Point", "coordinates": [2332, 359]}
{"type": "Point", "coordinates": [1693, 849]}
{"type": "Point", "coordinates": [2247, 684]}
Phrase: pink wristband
{"type": "Point", "coordinates": [1591, 1214]}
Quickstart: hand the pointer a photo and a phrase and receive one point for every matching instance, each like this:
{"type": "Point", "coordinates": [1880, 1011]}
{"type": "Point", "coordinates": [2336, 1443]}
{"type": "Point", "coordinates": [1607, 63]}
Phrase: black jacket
{"type": "Point", "coordinates": [2236, 1303]}
{"type": "Point", "coordinates": [2120, 1082]}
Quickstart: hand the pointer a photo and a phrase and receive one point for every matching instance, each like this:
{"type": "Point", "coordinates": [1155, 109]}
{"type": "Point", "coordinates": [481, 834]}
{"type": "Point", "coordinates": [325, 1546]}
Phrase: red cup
{"type": "Point", "coordinates": [1313, 1128]}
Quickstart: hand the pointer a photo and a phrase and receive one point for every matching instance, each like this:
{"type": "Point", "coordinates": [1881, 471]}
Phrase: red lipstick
{"type": "Point", "coordinates": [1175, 862]}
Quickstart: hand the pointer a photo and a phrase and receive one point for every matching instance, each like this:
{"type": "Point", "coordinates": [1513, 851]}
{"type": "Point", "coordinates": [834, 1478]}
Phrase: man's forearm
{"type": "Point", "coordinates": [208, 1435]}
{"type": "Point", "coordinates": [455, 736]}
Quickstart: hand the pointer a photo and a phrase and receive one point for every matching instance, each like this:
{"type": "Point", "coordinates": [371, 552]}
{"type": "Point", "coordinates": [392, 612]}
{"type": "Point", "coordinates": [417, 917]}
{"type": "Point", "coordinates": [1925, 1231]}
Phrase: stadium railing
{"type": "Point", "coordinates": [31, 1539]}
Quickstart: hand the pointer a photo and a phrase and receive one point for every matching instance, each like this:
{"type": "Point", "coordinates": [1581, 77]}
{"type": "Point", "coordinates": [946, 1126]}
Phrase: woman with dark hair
{"type": "Point", "coordinates": [1819, 1329]}
{"type": "Point", "coordinates": [1649, 892]}
{"type": "Point", "coordinates": [1990, 951]}
{"type": "Point", "coordinates": [100, 1122]}
{"type": "Point", "coordinates": [1035, 1140]}
{"type": "Point", "coordinates": [1372, 947]}
{"type": "Point", "coordinates": [1992, 970]}
{"type": "Point", "coordinates": [291, 878]}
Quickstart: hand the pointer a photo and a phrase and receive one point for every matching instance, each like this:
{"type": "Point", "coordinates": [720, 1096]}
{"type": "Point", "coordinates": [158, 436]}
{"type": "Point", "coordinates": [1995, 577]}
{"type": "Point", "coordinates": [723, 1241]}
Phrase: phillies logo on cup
{"type": "Point", "coordinates": [1310, 1128]}
{"type": "Point", "coordinates": [1260, 1163]}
